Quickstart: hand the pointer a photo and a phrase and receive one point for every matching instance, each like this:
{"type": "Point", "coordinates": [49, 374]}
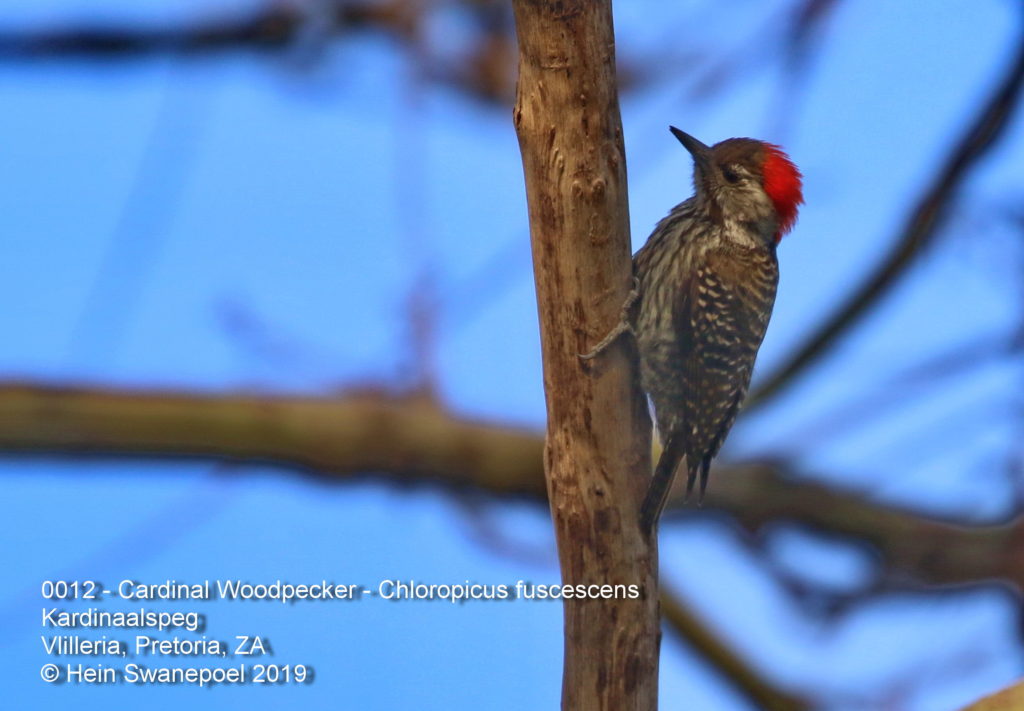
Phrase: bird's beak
{"type": "Point", "coordinates": [700, 152]}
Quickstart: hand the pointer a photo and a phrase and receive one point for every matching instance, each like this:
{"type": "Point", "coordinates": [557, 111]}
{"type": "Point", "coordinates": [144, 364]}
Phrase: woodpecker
{"type": "Point", "coordinates": [703, 290]}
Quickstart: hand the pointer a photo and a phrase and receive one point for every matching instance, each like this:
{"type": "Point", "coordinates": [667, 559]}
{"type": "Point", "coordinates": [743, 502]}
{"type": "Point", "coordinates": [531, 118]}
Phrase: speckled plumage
{"type": "Point", "coordinates": [704, 307]}
{"type": "Point", "coordinates": [704, 291]}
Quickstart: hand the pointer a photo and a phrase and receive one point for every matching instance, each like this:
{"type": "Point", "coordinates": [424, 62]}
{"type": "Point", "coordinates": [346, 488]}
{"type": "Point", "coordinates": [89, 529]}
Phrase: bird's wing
{"type": "Point", "coordinates": [708, 357]}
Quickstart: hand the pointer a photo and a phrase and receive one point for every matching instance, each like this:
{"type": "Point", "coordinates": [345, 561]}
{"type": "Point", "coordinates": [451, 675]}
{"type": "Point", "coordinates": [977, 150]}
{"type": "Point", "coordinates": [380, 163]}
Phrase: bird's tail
{"type": "Point", "coordinates": [657, 494]}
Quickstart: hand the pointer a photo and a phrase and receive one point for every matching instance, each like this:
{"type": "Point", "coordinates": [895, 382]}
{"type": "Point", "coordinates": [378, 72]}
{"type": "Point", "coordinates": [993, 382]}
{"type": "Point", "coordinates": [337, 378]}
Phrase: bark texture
{"type": "Point", "coordinates": [597, 451]}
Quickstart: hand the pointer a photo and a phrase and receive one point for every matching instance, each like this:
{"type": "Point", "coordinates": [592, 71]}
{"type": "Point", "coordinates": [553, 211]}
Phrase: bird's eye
{"type": "Point", "coordinates": [730, 175]}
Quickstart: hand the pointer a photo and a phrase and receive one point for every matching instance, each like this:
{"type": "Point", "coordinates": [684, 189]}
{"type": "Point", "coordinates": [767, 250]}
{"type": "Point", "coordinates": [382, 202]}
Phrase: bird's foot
{"type": "Point", "coordinates": [623, 326]}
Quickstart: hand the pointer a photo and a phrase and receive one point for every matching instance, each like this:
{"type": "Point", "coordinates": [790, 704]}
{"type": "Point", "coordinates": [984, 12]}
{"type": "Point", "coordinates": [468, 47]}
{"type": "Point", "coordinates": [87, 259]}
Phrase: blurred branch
{"type": "Point", "coordinates": [923, 226]}
{"type": "Point", "coordinates": [413, 440]}
{"type": "Point", "coordinates": [482, 66]}
{"type": "Point", "coordinates": [911, 548]}
{"type": "Point", "coordinates": [481, 62]}
{"type": "Point", "coordinates": [901, 389]}
{"type": "Point", "coordinates": [272, 27]}
{"type": "Point", "coordinates": [687, 623]}
{"type": "Point", "coordinates": [141, 230]}
{"type": "Point", "coordinates": [1009, 699]}
{"type": "Point", "coordinates": [788, 34]}
{"type": "Point", "coordinates": [409, 438]}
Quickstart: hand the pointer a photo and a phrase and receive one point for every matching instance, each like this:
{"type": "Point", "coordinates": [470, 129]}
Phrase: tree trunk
{"type": "Point", "coordinates": [597, 452]}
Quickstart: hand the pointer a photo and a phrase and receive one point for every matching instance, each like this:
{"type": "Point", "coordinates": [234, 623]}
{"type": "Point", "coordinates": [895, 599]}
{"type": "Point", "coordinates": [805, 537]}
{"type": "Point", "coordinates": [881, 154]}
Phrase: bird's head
{"type": "Point", "coordinates": [746, 181]}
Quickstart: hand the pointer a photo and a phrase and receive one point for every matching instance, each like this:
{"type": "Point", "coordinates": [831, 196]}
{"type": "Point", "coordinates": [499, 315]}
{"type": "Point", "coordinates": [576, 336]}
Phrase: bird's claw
{"type": "Point", "coordinates": [623, 326]}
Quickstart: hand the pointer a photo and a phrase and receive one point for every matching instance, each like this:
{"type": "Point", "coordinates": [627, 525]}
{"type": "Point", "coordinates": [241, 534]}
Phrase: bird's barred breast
{"type": "Point", "coordinates": [699, 338]}
{"type": "Point", "coordinates": [727, 324]}
{"type": "Point", "coordinates": [738, 286]}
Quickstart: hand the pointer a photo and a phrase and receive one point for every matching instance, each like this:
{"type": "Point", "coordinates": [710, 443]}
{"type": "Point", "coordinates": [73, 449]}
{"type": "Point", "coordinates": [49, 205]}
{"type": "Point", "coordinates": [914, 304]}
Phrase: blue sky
{"type": "Point", "coordinates": [247, 190]}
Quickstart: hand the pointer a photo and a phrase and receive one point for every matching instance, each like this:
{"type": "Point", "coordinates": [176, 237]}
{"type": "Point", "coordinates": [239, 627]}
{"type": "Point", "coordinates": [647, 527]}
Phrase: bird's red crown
{"type": "Point", "coordinates": [784, 185]}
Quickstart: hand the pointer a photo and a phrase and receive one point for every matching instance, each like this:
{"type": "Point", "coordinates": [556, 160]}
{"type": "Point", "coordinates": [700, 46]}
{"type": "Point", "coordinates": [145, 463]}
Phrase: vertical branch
{"type": "Point", "coordinates": [597, 454]}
